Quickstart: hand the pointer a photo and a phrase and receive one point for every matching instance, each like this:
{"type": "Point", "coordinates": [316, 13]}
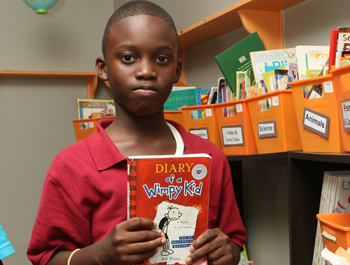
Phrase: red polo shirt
{"type": "Point", "coordinates": [85, 194]}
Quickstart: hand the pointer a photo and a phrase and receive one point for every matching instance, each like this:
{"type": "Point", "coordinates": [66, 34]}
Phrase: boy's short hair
{"type": "Point", "coordinates": [136, 8]}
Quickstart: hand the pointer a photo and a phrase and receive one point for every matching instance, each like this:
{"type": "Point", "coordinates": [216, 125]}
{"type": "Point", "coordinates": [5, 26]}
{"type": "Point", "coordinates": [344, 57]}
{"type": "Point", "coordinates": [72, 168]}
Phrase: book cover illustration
{"type": "Point", "coordinates": [266, 61]}
{"type": "Point", "coordinates": [180, 97]}
{"type": "Point", "coordinates": [93, 106]}
{"type": "Point", "coordinates": [174, 192]}
{"type": "Point", "coordinates": [237, 58]}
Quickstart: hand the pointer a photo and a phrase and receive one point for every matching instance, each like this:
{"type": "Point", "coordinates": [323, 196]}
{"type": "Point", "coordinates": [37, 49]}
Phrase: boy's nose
{"type": "Point", "coordinates": [146, 70]}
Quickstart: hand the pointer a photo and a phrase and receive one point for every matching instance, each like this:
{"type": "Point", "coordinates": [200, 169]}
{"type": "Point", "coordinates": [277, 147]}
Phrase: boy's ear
{"type": "Point", "coordinates": [178, 71]}
{"type": "Point", "coordinates": [101, 68]}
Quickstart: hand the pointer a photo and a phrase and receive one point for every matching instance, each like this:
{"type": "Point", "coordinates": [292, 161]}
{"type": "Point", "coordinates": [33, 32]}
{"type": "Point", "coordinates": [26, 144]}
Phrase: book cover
{"type": "Point", "coordinates": [237, 58]}
{"type": "Point", "coordinates": [265, 61]}
{"type": "Point", "coordinates": [343, 43]}
{"type": "Point", "coordinates": [333, 43]}
{"type": "Point", "coordinates": [180, 97]}
{"type": "Point", "coordinates": [174, 192]}
{"type": "Point", "coordinates": [311, 57]}
{"type": "Point", "coordinates": [88, 106]}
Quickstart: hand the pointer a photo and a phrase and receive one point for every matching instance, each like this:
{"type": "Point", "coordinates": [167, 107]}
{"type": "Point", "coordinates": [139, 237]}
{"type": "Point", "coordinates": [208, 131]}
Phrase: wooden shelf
{"type": "Point", "coordinates": [91, 77]}
{"type": "Point", "coordinates": [263, 16]}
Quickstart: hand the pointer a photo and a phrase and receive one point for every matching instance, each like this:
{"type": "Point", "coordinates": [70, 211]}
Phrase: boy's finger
{"type": "Point", "coordinates": [137, 223]}
{"type": "Point", "coordinates": [204, 238]}
{"type": "Point", "coordinates": [144, 236]}
{"type": "Point", "coordinates": [145, 247]}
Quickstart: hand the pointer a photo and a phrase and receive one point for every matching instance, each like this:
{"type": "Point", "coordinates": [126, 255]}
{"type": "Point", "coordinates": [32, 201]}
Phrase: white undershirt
{"type": "Point", "coordinates": [178, 139]}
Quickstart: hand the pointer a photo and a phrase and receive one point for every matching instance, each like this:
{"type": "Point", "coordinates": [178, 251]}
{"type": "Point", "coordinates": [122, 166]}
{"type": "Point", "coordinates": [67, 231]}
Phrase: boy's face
{"type": "Point", "coordinates": [141, 64]}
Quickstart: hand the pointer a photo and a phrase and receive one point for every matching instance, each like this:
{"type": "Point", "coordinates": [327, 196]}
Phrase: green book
{"type": "Point", "coordinates": [181, 97]}
{"type": "Point", "coordinates": [237, 58]}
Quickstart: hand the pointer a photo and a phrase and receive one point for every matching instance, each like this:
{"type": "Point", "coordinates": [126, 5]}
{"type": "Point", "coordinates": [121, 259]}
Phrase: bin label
{"type": "Point", "coordinates": [345, 109]}
{"type": "Point", "coordinates": [239, 108]}
{"type": "Point", "coordinates": [267, 129]}
{"type": "Point", "coordinates": [316, 122]}
{"type": "Point", "coordinates": [232, 135]}
{"type": "Point", "coordinates": [201, 132]}
{"type": "Point", "coordinates": [328, 86]}
{"type": "Point", "coordinates": [91, 124]}
{"type": "Point", "coordinates": [208, 113]}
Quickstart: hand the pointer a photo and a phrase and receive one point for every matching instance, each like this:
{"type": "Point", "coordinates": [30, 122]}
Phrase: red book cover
{"type": "Point", "coordinates": [174, 192]}
{"type": "Point", "coordinates": [332, 49]}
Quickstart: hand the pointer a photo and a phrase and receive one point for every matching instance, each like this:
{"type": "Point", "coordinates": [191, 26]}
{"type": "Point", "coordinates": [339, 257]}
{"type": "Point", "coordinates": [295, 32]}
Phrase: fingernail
{"type": "Point", "coordinates": [154, 224]}
{"type": "Point", "coordinates": [192, 249]}
{"type": "Point", "coordinates": [163, 240]}
{"type": "Point", "coordinates": [188, 260]}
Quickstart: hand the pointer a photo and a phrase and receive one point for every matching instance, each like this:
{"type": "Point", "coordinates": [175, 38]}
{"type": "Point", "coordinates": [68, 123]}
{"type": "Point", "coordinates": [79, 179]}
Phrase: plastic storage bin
{"type": "Point", "coordinates": [341, 82]}
{"type": "Point", "coordinates": [205, 127]}
{"type": "Point", "coordinates": [236, 132]}
{"type": "Point", "coordinates": [275, 129]}
{"type": "Point", "coordinates": [337, 227]}
{"type": "Point", "coordinates": [174, 115]}
{"type": "Point", "coordinates": [317, 118]}
{"type": "Point", "coordinates": [84, 127]}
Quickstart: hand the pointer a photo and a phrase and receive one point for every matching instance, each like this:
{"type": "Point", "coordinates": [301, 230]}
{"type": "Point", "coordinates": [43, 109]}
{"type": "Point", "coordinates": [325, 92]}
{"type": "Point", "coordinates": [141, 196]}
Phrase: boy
{"type": "Point", "coordinates": [83, 204]}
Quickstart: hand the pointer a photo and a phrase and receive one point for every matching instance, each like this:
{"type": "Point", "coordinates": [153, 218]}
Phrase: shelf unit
{"type": "Point", "coordinates": [91, 77]}
{"type": "Point", "coordinates": [279, 194]}
{"type": "Point", "coordinates": [247, 14]}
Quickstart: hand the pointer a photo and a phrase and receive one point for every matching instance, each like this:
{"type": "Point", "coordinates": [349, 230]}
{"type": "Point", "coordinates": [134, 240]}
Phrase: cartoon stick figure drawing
{"type": "Point", "coordinates": [173, 214]}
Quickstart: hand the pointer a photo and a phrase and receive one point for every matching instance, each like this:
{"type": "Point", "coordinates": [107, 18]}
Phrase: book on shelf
{"type": "Point", "coordinates": [237, 58]}
{"type": "Point", "coordinates": [334, 197]}
{"type": "Point", "coordinates": [343, 43]}
{"type": "Point", "coordinates": [266, 61]}
{"type": "Point", "coordinates": [311, 57]}
{"type": "Point", "coordinates": [94, 108]}
{"type": "Point", "coordinates": [202, 96]}
{"type": "Point", "coordinates": [332, 49]}
{"type": "Point", "coordinates": [213, 95]}
{"type": "Point", "coordinates": [174, 192]}
{"type": "Point", "coordinates": [180, 96]}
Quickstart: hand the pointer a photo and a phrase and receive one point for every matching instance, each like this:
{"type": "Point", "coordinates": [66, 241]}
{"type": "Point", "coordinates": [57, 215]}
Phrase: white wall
{"type": "Point", "coordinates": [36, 113]}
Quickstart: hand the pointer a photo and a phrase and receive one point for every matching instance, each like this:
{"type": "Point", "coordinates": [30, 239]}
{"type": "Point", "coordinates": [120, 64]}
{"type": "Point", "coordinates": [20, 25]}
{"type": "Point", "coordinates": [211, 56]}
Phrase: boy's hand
{"type": "Point", "coordinates": [130, 242]}
{"type": "Point", "coordinates": [216, 245]}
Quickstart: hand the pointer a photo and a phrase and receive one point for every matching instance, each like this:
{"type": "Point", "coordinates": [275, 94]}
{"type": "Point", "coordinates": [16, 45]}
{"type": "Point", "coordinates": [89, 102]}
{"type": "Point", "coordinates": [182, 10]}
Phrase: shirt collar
{"type": "Point", "coordinates": [105, 154]}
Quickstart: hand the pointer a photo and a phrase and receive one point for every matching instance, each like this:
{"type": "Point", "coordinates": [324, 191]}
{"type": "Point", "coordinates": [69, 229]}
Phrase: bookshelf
{"type": "Point", "coordinates": [91, 77]}
{"type": "Point", "coordinates": [280, 193]}
{"type": "Point", "coordinates": [247, 14]}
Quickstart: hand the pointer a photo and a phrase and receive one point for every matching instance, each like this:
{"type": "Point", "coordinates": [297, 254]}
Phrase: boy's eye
{"type": "Point", "coordinates": [162, 59]}
{"type": "Point", "coordinates": [128, 58]}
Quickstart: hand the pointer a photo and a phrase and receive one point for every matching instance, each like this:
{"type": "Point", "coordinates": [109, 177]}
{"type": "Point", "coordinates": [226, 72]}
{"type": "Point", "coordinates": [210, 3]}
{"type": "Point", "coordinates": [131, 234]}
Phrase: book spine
{"type": "Point", "coordinates": [132, 188]}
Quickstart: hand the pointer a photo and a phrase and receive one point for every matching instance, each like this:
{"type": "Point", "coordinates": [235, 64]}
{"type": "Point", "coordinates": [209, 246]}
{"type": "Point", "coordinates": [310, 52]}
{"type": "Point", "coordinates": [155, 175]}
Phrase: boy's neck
{"type": "Point", "coordinates": [142, 135]}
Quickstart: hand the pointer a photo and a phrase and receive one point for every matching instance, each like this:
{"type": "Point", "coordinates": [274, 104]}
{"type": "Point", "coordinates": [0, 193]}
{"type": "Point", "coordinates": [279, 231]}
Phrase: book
{"type": "Point", "coordinates": [174, 192]}
{"type": "Point", "coordinates": [332, 48]}
{"type": "Point", "coordinates": [94, 107]}
{"type": "Point", "coordinates": [311, 57]}
{"type": "Point", "coordinates": [343, 43]}
{"type": "Point", "coordinates": [237, 58]}
{"type": "Point", "coordinates": [334, 199]}
{"type": "Point", "coordinates": [180, 97]}
{"type": "Point", "coordinates": [213, 95]}
{"type": "Point", "coordinates": [202, 96]}
{"type": "Point", "coordinates": [265, 61]}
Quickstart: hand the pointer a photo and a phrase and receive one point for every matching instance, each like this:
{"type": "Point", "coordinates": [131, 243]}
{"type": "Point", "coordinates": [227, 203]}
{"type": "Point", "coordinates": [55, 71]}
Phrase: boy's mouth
{"type": "Point", "coordinates": [144, 90]}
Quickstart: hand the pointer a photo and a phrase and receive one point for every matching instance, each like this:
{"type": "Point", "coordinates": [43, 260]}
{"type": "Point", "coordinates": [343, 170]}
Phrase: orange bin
{"type": "Point", "coordinates": [205, 127]}
{"type": "Point", "coordinates": [341, 82]}
{"type": "Point", "coordinates": [317, 118]}
{"type": "Point", "coordinates": [335, 230]}
{"type": "Point", "coordinates": [84, 127]}
{"type": "Point", "coordinates": [174, 115]}
{"type": "Point", "coordinates": [275, 129]}
{"type": "Point", "coordinates": [236, 132]}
